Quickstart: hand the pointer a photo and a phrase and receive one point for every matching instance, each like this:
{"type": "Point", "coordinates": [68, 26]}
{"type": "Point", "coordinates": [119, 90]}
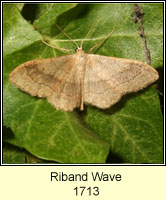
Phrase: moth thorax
{"type": "Point", "coordinates": [81, 60]}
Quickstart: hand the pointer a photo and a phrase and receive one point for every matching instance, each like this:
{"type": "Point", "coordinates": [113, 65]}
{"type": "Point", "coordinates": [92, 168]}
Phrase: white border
{"type": "Point", "coordinates": [2, 88]}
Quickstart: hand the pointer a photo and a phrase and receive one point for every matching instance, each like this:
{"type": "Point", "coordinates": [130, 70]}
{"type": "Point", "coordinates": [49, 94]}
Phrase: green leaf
{"type": "Point", "coordinates": [131, 129]}
{"type": "Point", "coordinates": [19, 6]}
{"type": "Point", "coordinates": [12, 155]}
{"type": "Point", "coordinates": [49, 13]}
{"type": "Point", "coordinates": [153, 26]}
{"type": "Point", "coordinates": [17, 32]}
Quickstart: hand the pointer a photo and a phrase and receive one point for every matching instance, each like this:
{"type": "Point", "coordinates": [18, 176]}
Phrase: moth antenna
{"type": "Point", "coordinates": [59, 48]}
{"type": "Point", "coordinates": [67, 35]}
{"type": "Point", "coordinates": [90, 30]}
{"type": "Point", "coordinates": [99, 43]}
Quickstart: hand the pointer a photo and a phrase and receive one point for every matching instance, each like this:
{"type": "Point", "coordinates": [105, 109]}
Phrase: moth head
{"type": "Point", "coordinates": [79, 50]}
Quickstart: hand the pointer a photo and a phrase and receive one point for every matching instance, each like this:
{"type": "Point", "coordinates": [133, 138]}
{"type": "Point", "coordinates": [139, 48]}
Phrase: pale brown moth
{"type": "Point", "coordinates": [71, 81]}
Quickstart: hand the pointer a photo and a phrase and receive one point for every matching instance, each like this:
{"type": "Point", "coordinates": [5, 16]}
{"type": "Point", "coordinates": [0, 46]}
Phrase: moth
{"type": "Point", "coordinates": [71, 81]}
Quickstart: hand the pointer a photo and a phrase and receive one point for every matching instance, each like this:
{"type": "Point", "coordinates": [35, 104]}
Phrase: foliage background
{"type": "Point", "coordinates": [34, 132]}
